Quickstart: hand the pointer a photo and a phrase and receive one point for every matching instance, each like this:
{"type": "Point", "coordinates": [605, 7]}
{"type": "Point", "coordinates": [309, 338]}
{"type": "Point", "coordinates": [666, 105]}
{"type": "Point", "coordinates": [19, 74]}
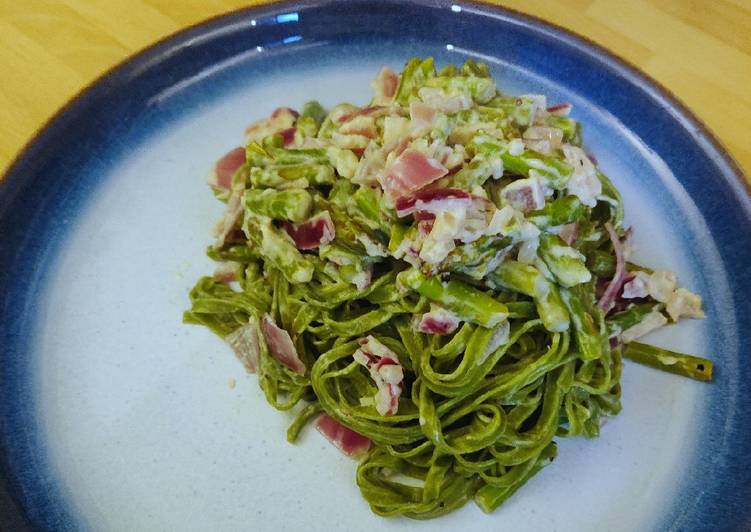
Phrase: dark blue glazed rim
{"type": "Point", "coordinates": [42, 182]}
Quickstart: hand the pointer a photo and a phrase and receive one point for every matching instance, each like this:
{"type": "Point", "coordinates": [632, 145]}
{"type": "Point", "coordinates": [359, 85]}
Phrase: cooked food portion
{"type": "Point", "coordinates": [440, 280]}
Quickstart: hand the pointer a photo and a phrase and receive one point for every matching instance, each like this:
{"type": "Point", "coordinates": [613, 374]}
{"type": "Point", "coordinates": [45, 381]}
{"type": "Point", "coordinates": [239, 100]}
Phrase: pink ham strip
{"type": "Point", "coordinates": [231, 216]}
{"type": "Point", "coordinates": [607, 300]}
{"type": "Point", "coordinates": [280, 112]}
{"type": "Point", "coordinates": [411, 171]}
{"type": "Point", "coordinates": [226, 272]}
{"type": "Point", "coordinates": [288, 136]}
{"type": "Point", "coordinates": [346, 440]}
{"type": "Point", "coordinates": [315, 232]}
{"type": "Point", "coordinates": [437, 323]}
{"type": "Point", "coordinates": [430, 201]}
{"type": "Point", "coordinates": [386, 83]}
{"type": "Point", "coordinates": [569, 233]}
{"type": "Point", "coordinates": [560, 109]}
{"type": "Point", "coordinates": [386, 372]}
{"type": "Point", "coordinates": [365, 127]}
{"type": "Point", "coordinates": [421, 114]}
{"type": "Point", "coordinates": [281, 346]}
{"type": "Point", "coordinates": [525, 197]}
{"type": "Point", "coordinates": [375, 111]}
{"type": "Point", "coordinates": [282, 118]}
{"type": "Point", "coordinates": [424, 227]}
{"type": "Point", "coordinates": [244, 342]}
{"type": "Point", "coordinates": [225, 168]}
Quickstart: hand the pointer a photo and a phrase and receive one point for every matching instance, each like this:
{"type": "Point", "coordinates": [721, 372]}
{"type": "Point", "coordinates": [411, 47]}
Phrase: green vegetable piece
{"type": "Point", "coordinates": [517, 108]}
{"type": "Point", "coordinates": [671, 361]}
{"type": "Point", "coordinates": [414, 75]}
{"type": "Point", "coordinates": [396, 236]}
{"type": "Point", "coordinates": [315, 111]}
{"type": "Point", "coordinates": [590, 337]}
{"type": "Point", "coordinates": [570, 127]}
{"type": "Point", "coordinates": [289, 156]}
{"type": "Point", "coordinates": [278, 248]}
{"type": "Point", "coordinates": [566, 263]}
{"type": "Point", "coordinates": [294, 205]}
{"type": "Point", "coordinates": [239, 253]}
{"type": "Point", "coordinates": [470, 304]}
{"type": "Point", "coordinates": [564, 210]}
{"type": "Point", "coordinates": [471, 68]}
{"type": "Point", "coordinates": [526, 279]}
{"type": "Point", "coordinates": [555, 171]}
{"type": "Point", "coordinates": [480, 89]}
{"type": "Point", "coordinates": [601, 263]}
{"type": "Point", "coordinates": [367, 203]}
{"type": "Point", "coordinates": [616, 202]}
{"type": "Point", "coordinates": [634, 314]}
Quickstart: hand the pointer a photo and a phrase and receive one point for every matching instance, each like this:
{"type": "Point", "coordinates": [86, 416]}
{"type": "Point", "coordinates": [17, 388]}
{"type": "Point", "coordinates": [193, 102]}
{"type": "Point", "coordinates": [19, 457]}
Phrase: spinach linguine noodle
{"type": "Point", "coordinates": [440, 281]}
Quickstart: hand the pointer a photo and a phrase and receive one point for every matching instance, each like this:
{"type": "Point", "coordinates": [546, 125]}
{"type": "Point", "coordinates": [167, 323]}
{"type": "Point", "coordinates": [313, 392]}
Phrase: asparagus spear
{"type": "Point", "coordinates": [570, 127]}
{"type": "Point", "coordinates": [566, 264]}
{"type": "Point", "coordinates": [678, 363]}
{"type": "Point", "coordinates": [416, 71]}
{"type": "Point", "coordinates": [481, 89]}
{"type": "Point", "coordinates": [635, 313]}
{"type": "Point", "coordinates": [291, 176]}
{"type": "Point", "coordinates": [311, 118]}
{"type": "Point", "coordinates": [468, 303]}
{"type": "Point", "coordinates": [293, 205]}
{"type": "Point", "coordinates": [527, 280]}
{"type": "Point", "coordinates": [589, 339]}
{"type": "Point", "coordinates": [277, 248]}
{"type": "Point", "coordinates": [565, 210]}
{"type": "Point", "coordinates": [555, 171]}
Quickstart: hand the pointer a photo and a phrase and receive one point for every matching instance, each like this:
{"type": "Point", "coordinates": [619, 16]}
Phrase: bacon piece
{"type": "Point", "coordinates": [230, 218]}
{"type": "Point", "coordinates": [422, 115]}
{"type": "Point", "coordinates": [244, 342]}
{"type": "Point", "coordinates": [560, 109]}
{"type": "Point", "coordinates": [385, 84]}
{"type": "Point", "coordinates": [283, 112]}
{"type": "Point", "coordinates": [607, 300]}
{"type": "Point", "coordinates": [288, 136]}
{"type": "Point", "coordinates": [437, 321]}
{"type": "Point", "coordinates": [315, 232]}
{"type": "Point", "coordinates": [425, 226]}
{"type": "Point", "coordinates": [569, 233]}
{"type": "Point", "coordinates": [360, 125]}
{"type": "Point", "coordinates": [386, 371]}
{"type": "Point", "coordinates": [348, 441]}
{"type": "Point", "coordinates": [411, 171]}
{"type": "Point", "coordinates": [226, 272]}
{"type": "Point", "coordinates": [221, 176]}
{"type": "Point", "coordinates": [282, 118]}
{"type": "Point", "coordinates": [525, 195]}
{"type": "Point", "coordinates": [373, 111]}
{"type": "Point", "coordinates": [281, 346]}
{"type": "Point", "coordinates": [403, 145]}
{"type": "Point", "coordinates": [432, 200]}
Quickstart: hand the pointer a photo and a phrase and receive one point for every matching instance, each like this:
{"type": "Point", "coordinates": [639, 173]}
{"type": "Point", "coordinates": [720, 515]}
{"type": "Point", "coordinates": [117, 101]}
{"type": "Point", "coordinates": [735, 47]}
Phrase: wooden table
{"type": "Point", "coordinates": [699, 49]}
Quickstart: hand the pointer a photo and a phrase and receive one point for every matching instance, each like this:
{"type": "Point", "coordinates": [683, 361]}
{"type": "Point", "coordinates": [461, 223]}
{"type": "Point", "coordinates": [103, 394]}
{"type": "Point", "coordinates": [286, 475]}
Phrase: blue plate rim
{"type": "Point", "coordinates": [13, 516]}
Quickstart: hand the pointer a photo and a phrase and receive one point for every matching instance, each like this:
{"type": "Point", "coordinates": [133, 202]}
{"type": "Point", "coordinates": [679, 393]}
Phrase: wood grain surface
{"type": "Point", "coordinates": [699, 49]}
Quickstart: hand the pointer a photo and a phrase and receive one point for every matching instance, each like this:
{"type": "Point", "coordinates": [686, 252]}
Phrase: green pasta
{"type": "Point", "coordinates": [442, 275]}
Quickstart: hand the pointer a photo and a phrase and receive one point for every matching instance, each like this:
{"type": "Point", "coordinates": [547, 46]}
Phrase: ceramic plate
{"type": "Point", "coordinates": [116, 416]}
